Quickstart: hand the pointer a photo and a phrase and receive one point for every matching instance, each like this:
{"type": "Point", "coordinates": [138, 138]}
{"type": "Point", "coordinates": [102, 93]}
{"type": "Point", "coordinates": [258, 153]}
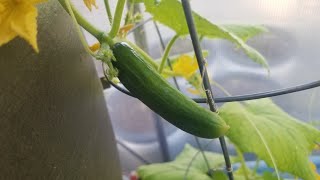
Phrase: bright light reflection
{"type": "Point", "coordinates": [279, 8]}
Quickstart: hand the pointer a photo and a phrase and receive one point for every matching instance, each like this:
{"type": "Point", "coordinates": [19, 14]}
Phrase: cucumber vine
{"type": "Point", "coordinates": [233, 33]}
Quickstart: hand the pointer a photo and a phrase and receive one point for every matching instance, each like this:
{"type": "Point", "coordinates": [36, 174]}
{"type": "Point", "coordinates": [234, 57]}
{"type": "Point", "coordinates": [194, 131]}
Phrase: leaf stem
{"type": "Point", "coordinates": [166, 52]}
{"type": "Point", "coordinates": [117, 18]}
{"type": "Point", "coordinates": [107, 5]}
{"type": "Point", "coordinates": [256, 166]}
{"type": "Point", "coordinates": [143, 54]}
{"type": "Point", "coordinates": [203, 154]}
{"type": "Point", "coordinates": [219, 86]}
{"type": "Point", "coordinates": [243, 163]}
{"type": "Point", "coordinates": [311, 102]}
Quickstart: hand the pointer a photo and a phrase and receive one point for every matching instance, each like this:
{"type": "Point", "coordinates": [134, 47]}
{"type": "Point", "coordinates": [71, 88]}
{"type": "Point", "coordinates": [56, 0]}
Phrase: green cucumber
{"type": "Point", "coordinates": [146, 84]}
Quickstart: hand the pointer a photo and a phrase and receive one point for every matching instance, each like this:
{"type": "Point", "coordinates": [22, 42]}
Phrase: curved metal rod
{"type": "Point", "coordinates": [245, 97]}
{"type": "Point", "coordinates": [266, 94]}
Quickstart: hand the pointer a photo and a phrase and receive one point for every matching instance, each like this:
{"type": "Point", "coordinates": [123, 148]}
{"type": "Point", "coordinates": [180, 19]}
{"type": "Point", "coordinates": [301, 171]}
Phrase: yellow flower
{"type": "Point", "coordinates": [125, 29]}
{"type": "Point", "coordinates": [90, 3]}
{"type": "Point", "coordinates": [95, 47]}
{"type": "Point", "coordinates": [18, 18]}
{"type": "Point", "coordinates": [185, 65]}
{"type": "Point", "coordinates": [194, 91]}
{"type": "Point", "coordinates": [317, 146]}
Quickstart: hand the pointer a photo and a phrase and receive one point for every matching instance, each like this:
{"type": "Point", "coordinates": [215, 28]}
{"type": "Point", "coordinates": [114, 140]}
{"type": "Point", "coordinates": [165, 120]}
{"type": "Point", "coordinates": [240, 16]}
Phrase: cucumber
{"type": "Point", "coordinates": [146, 84]}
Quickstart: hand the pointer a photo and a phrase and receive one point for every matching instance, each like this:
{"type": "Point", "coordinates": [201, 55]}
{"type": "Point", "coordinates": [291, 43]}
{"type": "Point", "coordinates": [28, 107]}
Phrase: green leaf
{"type": "Point", "coordinates": [289, 141]}
{"type": "Point", "coordinates": [177, 169]}
{"type": "Point", "coordinates": [173, 58]}
{"type": "Point", "coordinates": [169, 171]}
{"type": "Point", "coordinates": [136, 1]}
{"type": "Point", "coordinates": [170, 13]}
{"type": "Point", "coordinates": [239, 175]}
{"type": "Point", "coordinates": [269, 176]}
{"type": "Point", "coordinates": [219, 175]}
{"type": "Point", "coordinates": [215, 159]}
{"type": "Point", "coordinates": [245, 32]}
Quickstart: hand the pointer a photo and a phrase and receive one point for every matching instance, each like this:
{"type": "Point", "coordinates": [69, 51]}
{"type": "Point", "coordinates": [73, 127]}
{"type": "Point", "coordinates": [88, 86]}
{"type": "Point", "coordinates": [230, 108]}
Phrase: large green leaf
{"type": "Point", "coordinates": [170, 13]}
{"type": "Point", "coordinates": [239, 175]}
{"type": "Point", "coordinates": [177, 169]}
{"type": "Point", "coordinates": [260, 123]}
{"type": "Point", "coordinates": [245, 32]}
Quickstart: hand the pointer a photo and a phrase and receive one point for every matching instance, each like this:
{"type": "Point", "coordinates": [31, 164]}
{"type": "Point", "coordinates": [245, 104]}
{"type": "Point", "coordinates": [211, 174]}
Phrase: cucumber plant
{"type": "Point", "coordinates": [258, 126]}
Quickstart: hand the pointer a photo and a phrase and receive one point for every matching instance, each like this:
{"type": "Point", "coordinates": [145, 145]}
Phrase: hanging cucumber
{"type": "Point", "coordinates": [146, 84]}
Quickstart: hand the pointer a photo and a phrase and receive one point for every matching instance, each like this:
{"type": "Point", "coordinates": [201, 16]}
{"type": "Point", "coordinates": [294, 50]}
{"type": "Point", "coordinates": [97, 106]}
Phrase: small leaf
{"type": "Point", "coordinates": [165, 10]}
{"type": "Point", "coordinates": [289, 140]}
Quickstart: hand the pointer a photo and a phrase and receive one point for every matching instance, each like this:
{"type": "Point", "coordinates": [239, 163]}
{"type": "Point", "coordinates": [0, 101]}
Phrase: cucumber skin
{"type": "Point", "coordinates": [145, 83]}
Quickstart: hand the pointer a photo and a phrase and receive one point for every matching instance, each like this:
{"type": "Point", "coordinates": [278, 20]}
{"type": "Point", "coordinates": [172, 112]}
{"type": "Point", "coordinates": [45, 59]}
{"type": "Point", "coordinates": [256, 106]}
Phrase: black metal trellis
{"type": "Point", "coordinates": [135, 154]}
{"type": "Point", "coordinates": [205, 79]}
{"type": "Point", "coordinates": [246, 97]}
{"type": "Point", "coordinates": [210, 99]}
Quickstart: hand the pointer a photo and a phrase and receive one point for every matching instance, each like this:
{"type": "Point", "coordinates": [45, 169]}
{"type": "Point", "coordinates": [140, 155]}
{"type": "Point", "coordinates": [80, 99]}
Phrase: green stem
{"type": "Point", "coordinates": [149, 59]}
{"type": "Point", "coordinates": [82, 21]}
{"type": "Point", "coordinates": [256, 166]}
{"type": "Point", "coordinates": [166, 52]}
{"type": "Point", "coordinates": [86, 25]}
{"type": "Point", "coordinates": [82, 39]}
{"type": "Point", "coordinates": [143, 54]}
{"type": "Point", "coordinates": [310, 104]}
{"type": "Point", "coordinates": [117, 18]}
{"type": "Point", "coordinates": [107, 5]}
{"type": "Point", "coordinates": [243, 163]}
{"type": "Point", "coordinates": [129, 16]}
{"type": "Point", "coordinates": [221, 88]}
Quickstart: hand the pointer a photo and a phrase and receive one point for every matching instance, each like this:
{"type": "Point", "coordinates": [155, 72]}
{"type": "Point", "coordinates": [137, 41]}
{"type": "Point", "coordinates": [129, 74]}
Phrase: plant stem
{"type": "Point", "coordinates": [166, 52]}
{"type": "Point", "coordinates": [82, 21]}
{"type": "Point", "coordinates": [86, 25]}
{"type": "Point", "coordinates": [143, 54]}
{"type": "Point", "coordinates": [219, 86]}
{"type": "Point", "coordinates": [82, 39]}
{"type": "Point", "coordinates": [117, 18]}
{"type": "Point", "coordinates": [311, 102]}
{"type": "Point", "coordinates": [139, 34]}
{"type": "Point", "coordinates": [203, 154]}
{"type": "Point", "coordinates": [256, 166]}
{"type": "Point", "coordinates": [149, 59]}
{"type": "Point", "coordinates": [130, 13]}
{"type": "Point", "coordinates": [107, 5]}
{"type": "Point", "coordinates": [243, 163]}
